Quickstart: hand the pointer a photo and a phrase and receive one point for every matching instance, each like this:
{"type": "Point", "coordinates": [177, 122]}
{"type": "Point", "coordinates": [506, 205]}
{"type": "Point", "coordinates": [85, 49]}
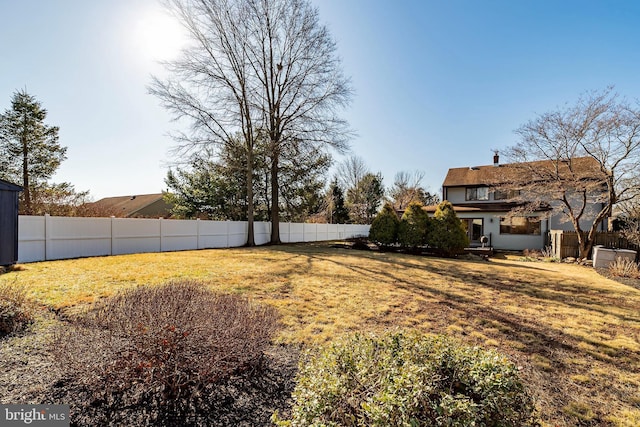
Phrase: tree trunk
{"type": "Point", "coordinates": [250, 233]}
{"type": "Point", "coordinates": [585, 248]}
{"type": "Point", "coordinates": [28, 210]}
{"type": "Point", "coordinates": [275, 208]}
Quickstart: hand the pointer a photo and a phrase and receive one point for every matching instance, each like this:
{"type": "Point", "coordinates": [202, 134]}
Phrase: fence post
{"type": "Point", "coordinates": [197, 233]}
{"type": "Point", "coordinates": [47, 235]}
{"type": "Point", "coordinates": [111, 233]}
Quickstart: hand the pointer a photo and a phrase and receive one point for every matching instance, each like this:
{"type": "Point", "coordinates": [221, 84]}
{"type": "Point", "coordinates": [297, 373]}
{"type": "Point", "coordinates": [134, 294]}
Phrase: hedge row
{"type": "Point", "coordinates": [444, 232]}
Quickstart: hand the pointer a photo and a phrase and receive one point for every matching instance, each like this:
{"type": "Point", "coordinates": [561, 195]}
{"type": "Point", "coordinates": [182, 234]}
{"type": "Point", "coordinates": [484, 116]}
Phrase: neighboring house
{"type": "Point", "coordinates": [138, 206]}
{"type": "Point", "coordinates": [484, 210]}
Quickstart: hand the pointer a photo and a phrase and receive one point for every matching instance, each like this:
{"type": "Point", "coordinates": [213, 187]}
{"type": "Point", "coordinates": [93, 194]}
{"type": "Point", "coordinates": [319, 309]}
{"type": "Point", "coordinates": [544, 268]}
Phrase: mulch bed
{"type": "Point", "coordinates": [629, 281]}
{"type": "Point", "coordinates": [29, 375]}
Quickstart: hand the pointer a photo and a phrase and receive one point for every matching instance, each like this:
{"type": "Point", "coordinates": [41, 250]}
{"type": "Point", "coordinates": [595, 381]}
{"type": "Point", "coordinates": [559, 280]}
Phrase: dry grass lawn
{"type": "Point", "coordinates": [575, 334]}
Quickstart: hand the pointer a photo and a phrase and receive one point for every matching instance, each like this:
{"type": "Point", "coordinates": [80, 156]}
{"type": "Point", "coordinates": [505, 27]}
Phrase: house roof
{"type": "Point", "coordinates": [479, 207]}
{"type": "Point", "coordinates": [491, 174]}
{"type": "Point", "coordinates": [8, 186]}
{"type": "Point", "coordinates": [433, 208]}
{"type": "Point", "coordinates": [128, 205]}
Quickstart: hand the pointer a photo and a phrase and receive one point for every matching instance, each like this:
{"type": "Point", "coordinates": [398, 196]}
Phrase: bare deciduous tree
{"type": "Point", "coordinates": [301, 83]}
{"type": "Point", "coordinates": [364, 190]}
{"type": "Point", "coordinates": [629, 217]}
{"type": "Point", "coordinates": [407, 188]}
{"type": "Point", "coordinates": [261, 69]}
{"type": "Point", "coordinates": [211, 83]}
{"type": "Point", "coordinates": [578, 161]}
{"type": "Point", "coordinates": [351, 171]}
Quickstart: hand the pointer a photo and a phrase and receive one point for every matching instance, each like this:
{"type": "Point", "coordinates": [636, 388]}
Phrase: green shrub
{"type": "Point", "coordinates": [384, 228]}
{"type": "Point", "coordinates": [414, 226]}
{"type": "Point", "coordinates": [15, 312]}
{"type": "Point", "coordinates": [158, 347]}
{"type": "Point", "coordinates": [447, 233]}
{"type": "Point", "coordinates": [407, 379]}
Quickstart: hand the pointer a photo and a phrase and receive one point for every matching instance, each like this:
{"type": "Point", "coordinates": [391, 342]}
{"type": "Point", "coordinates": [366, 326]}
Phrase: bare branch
{"type": "Point", "coordinates": [580, 161]}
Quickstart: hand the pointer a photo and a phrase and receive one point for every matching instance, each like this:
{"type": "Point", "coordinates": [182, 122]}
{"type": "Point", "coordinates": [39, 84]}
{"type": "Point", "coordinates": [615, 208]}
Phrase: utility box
{"type": "Point", "coordinates": [8, 223]}
{"type": "Point", "coordinates": [603, 257]}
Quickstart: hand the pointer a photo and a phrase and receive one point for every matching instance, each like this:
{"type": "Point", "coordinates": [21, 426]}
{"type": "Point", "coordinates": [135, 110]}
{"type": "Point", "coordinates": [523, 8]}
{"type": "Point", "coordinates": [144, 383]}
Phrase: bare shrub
{"type": "Point", "coordinates": [15, 312]}
{"type": "Point", "coordinates": [624, 267]}
{"type": "Point", "coordinates": [158, 347]}
{"type": "Point", "coordinates": [545, 254]}
{"type": "Point", "coordinates": [530, 255]}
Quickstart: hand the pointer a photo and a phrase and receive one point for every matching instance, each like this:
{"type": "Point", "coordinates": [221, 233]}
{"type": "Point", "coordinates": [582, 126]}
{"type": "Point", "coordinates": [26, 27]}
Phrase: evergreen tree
{"type": "Point", "coordinates": [373, 193]}
{"type": "Point", "coordinates": [205, 190]}
{"type": "Point", "coordinates": [384, 228]}
{"type": "Point", "coordinates": [303, 179]}
{"type": "Point", "coordinates": [448, 233]}
{"type": "Point", "coordinates": [337, 212]}
{"type": "Point", "coordinates": [414, 226]}
{"type": "Point", "coordinates": [29, 148]}
{"type": "Point", "coordinates": [364, 198]}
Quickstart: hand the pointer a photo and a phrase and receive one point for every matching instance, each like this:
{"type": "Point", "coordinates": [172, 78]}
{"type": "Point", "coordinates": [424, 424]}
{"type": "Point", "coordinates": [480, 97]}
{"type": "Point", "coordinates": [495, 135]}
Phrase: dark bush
{"type": "Point", "coordinates": [448, 234]}
{"type": "Point", "coordinates": [414, 226]}
{"type": "Point", "coordinates": [384, 228]}
{"type": "Point", "coordinates": [15, 311]}
{"type": "Point", "coordinates": [157, 348]}
{"type": "Point", "coordinates": [408, 380]}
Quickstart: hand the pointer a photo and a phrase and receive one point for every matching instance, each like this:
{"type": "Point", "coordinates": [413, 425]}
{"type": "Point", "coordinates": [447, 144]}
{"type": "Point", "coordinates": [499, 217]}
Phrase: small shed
{"type": "Point", "coordinates": [8, 223]}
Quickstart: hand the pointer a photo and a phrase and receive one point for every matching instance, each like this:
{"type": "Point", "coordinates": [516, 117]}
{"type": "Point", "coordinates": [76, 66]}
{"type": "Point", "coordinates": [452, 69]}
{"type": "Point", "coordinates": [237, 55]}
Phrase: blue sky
{"type": "Point", "coordinates": [438, 84]}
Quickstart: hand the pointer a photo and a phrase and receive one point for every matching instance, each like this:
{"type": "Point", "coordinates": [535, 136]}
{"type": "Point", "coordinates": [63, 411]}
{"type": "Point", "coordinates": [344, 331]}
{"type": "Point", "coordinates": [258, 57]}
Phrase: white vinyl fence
{"type": "Point", "coordinates": [47, 237]}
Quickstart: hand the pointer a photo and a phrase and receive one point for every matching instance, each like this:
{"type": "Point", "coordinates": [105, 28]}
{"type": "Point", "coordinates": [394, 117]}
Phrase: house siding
{"type": "Point", "coordinates": [455, 195]}
{"type": "Point", "coordinates": [509, 242]}
{"type": "Point", "coordinates": [458, 180]}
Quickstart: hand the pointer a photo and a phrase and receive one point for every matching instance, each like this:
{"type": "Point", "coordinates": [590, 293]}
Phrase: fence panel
{"type": "Point", "coordinates": [237, 233]}
{"type": "Point", "coordinates": [47, 238]}
{"type": "Point", "coordinates": [213, 234]}
{"type": "Point", "coordinates": [178, 235]}
{"type": "Point", "coordinates": [296, 232]}
{"type": "Point", "coordinates": [322, 232]}
{"type": "Point", "coordinates": [309, 233]}
{"type": "Point", "coordinates": [135, 235]}
{"type": "Point", "coordinates": [261, 232]}
{"type": "Point", "coordinates": [284, 232]}
{"type": "Point", "coordinates": [77, 237]}
{"type": "Point", "coordinates": [565, 243]}
{"type": "Point", "coordinates": [31, 238]}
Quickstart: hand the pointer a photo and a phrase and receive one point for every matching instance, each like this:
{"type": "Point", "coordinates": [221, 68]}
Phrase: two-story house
{"type": "Point", "coordinates": [484, 208]}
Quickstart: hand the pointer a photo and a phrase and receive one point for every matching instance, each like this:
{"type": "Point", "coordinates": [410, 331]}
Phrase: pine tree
{"type": "Point", "coordinates": [30, 149]}
{"type": "Point", "coordinates": [414, 226]}
{"type": "Point", "coordinates": [448, 233]}
{"type": "Point", "coordinates": [384, 228]}
{"type": "Point", "coordinates": [337, 212]}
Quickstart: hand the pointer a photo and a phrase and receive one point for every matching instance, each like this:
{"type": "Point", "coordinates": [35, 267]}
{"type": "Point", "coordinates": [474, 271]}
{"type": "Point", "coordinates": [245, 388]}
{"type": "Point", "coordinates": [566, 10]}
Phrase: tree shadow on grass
{"type": "Point", "coordinates": [544, 346]}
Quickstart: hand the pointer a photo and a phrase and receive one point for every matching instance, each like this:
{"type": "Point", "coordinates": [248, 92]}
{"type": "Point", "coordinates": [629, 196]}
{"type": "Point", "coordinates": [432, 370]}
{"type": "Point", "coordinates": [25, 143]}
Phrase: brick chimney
{"type": "Point", "coordinates": [496, 159]}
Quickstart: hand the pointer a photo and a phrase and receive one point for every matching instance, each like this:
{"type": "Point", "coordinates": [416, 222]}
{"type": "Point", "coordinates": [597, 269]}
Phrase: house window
{"type": "Point", "coordinates": [520, 225]}
{"type": "Point", "coordinates": [505, 195]}
{"type": "Point", "coordinates": [474, 228]}
{"type": "Point", "coordinates": [478, 193]}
